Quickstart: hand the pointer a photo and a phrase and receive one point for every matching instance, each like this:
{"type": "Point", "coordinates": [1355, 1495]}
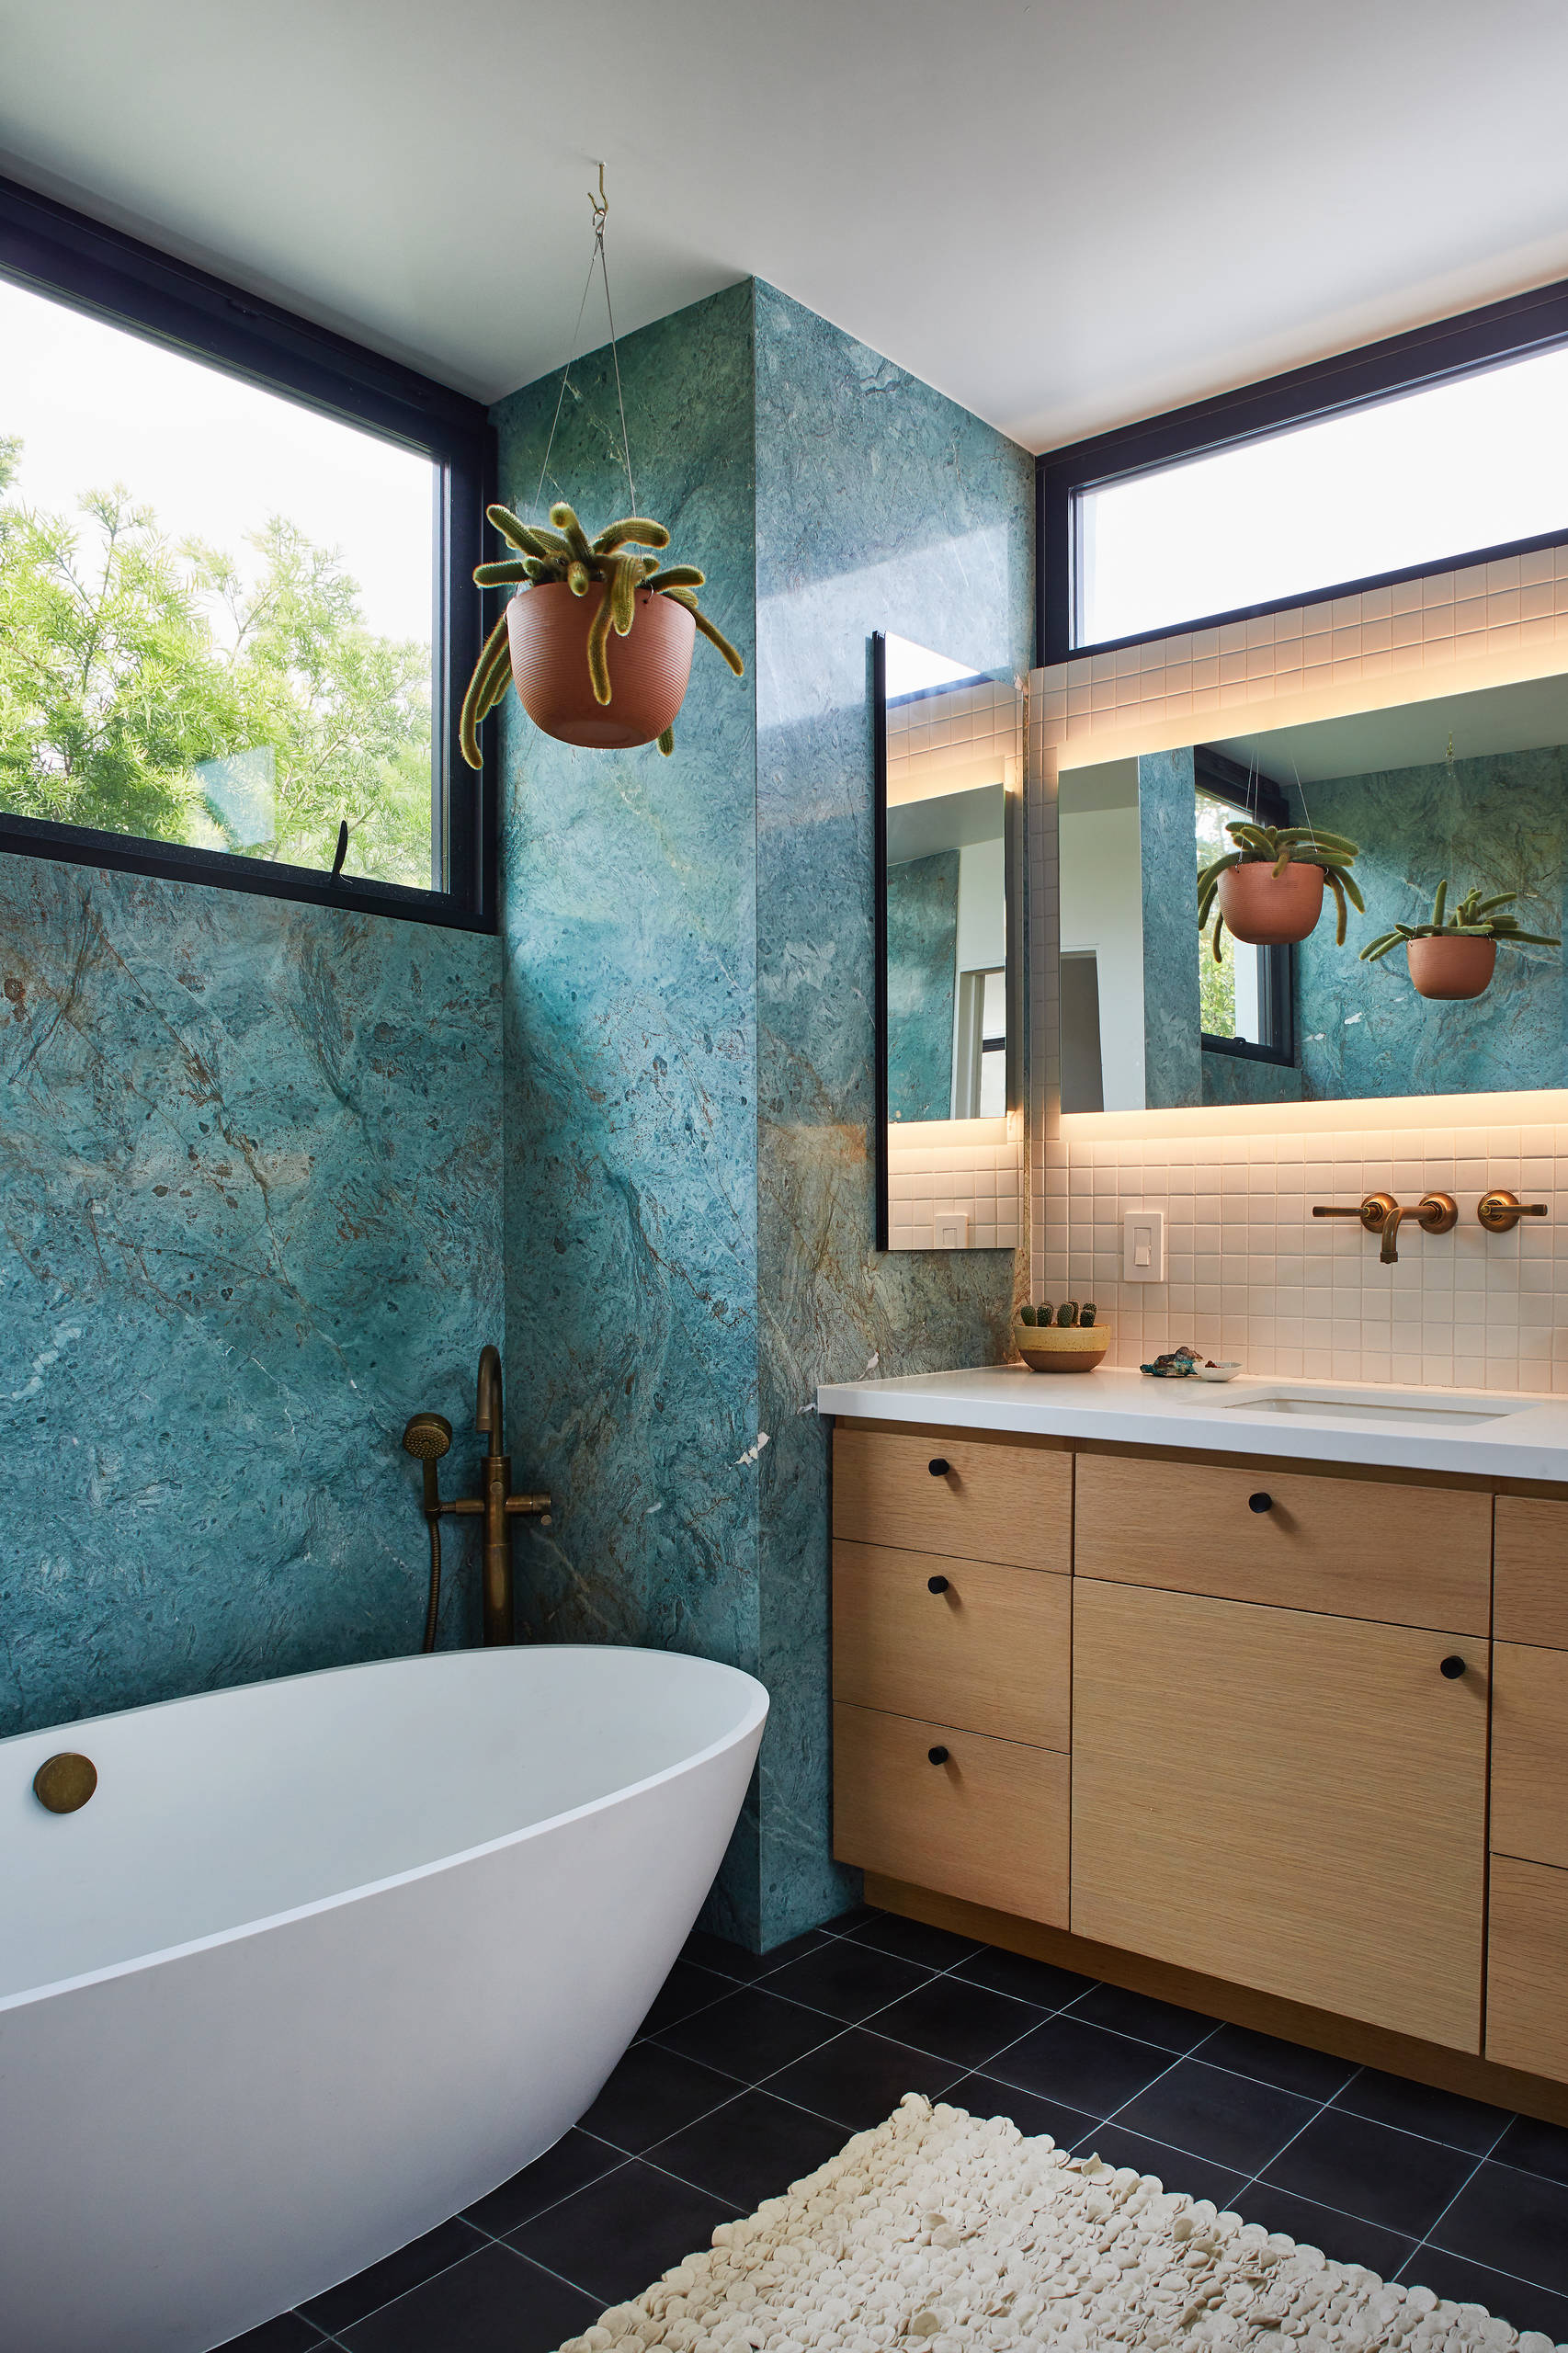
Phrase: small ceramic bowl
{"type": "Point", "coordinates": [1053, 1348]}
{"type": "Point", "coordinates": [1226, 1371]}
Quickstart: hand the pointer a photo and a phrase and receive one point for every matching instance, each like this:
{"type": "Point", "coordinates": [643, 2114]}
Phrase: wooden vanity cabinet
{"type": "Point", "coordinates": [1206, 1714]}
{"type": "Point", "coordinates": [951, 1650]}
{"type": "Point", "coordinates": [1526, 2006]}
{"type": "Point", "coordinates": [1288, 1800]}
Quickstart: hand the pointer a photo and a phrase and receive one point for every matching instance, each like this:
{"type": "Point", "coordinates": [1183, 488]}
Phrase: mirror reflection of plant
{"type": "Point", "coordinates": [1279, 847]}
{"type": "Point", "coordinates": [565, 553]}
{"type": "Point", "coordinates": [1473, 919]}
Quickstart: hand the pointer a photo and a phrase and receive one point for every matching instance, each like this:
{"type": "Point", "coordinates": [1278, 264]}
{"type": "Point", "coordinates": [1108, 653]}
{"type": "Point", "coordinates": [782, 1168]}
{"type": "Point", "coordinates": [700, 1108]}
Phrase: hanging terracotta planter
{"type": "Point", "coordinates": [547, 630]}
{"type": "Point", "coordinates": [1267, 890]}
{"type": "Point", "coordinates": [1453, 956]}
{"type": "Point", "coordinates": [1451, 967]}
{"type": "Point", "coordinates": [1267, 910]}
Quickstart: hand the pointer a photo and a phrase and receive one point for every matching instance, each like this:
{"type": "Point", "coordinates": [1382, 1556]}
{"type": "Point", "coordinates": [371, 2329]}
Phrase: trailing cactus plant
{"type": "Point", "coordinates": [565, 553]}
{"type": "Point", "coordinates": [1279, 847]}
{"type": "Point", "coordinates": [1473, 919]}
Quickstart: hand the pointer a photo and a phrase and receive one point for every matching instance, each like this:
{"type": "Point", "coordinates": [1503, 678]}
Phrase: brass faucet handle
{"type": "Point", "coordinates": [534, 1507]}
{"type": "Point", "coordinates": [1500, 1210]}
{"type": "Point", "coordinates": [1374, 1211]}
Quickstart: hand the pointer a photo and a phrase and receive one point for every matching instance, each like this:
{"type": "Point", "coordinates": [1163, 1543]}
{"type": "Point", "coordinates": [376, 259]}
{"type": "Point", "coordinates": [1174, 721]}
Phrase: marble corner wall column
{"type": "Point", "coordinates": [1173, 1073]}
{"type": "Point", "coordinates": [629, 925]}
{"type": "Point", "coordinates": [250, 1189]}
{"type": "Point", "coordinates": [689, 995]}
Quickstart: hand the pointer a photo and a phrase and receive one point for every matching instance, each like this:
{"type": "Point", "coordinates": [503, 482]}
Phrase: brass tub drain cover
{"type": "Point", "coordinates": [64, 1782]}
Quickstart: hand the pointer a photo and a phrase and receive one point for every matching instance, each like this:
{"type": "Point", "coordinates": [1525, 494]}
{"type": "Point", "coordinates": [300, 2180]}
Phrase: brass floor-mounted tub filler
{"type": "Point", "coordinates": [426, 1437]}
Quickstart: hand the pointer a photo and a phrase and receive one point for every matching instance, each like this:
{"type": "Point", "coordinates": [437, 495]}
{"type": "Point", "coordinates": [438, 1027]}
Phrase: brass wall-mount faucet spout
{"type": "Point", "coordinates": [427, 1437]}
{"type": "Point", "coordinates": [1381, 1214]}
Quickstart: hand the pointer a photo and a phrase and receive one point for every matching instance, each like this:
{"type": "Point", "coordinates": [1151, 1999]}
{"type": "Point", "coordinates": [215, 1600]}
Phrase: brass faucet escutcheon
{"type": "Point", "coordinates": [1499, 1210]}
{"type": "Point", "coordinates": [426, 1437]}
{"type": "Point", "coordinates": [1381, 1214]}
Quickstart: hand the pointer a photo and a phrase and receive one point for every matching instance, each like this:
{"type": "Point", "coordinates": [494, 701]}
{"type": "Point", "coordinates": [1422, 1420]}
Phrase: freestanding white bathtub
{"type": "Point", "coordinates": [324, 1960]}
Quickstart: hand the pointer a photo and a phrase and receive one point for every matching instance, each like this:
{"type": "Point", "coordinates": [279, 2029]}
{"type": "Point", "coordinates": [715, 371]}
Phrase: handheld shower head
{"type": "Point", "coordinates": [428, 1437]}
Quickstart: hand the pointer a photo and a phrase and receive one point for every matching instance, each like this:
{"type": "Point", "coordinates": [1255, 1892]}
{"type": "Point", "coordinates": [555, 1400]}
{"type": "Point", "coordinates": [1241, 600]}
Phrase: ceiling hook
{"type": "Point", "coordinates": [599, 205]}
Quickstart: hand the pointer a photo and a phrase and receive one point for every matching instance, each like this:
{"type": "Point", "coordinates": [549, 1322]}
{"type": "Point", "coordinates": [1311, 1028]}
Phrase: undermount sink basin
{"type": "Point", "coordinates": [1462, 1413]}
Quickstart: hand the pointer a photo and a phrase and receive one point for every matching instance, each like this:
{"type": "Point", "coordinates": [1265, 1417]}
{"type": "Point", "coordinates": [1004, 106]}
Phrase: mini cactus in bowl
{"type": "Point", "coordinates": [1069, 1339]}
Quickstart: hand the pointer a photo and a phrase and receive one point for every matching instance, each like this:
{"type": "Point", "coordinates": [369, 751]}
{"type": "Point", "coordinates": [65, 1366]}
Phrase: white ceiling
{"type": "Point", "coordinates": [1065, 213]}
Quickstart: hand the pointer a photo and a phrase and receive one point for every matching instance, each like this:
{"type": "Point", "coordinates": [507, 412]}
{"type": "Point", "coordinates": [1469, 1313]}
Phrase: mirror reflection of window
{"type": "Point", "coordinates": [1232, 994]}
{"type": "Point", "coordinates": [951, 755]}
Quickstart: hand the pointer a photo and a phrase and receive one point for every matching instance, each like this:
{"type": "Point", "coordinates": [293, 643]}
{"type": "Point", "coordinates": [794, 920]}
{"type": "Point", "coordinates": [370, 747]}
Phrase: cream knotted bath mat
{"type": "Point", "coordinates": [944, 2233]}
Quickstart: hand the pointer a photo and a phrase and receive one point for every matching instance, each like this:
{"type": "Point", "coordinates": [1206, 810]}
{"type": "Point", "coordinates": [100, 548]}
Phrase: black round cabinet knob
{"type": "Point", "coordinates": [1452, 1667]}
{"type": "Point", "coordinates": [936, 1584]}
{"type": "Point", "coordinates": [1260, 1503]}
{"type": "Point", "coordinates": [938, 1468]}
{"type": "Point", "coordinates": [937, 1756]}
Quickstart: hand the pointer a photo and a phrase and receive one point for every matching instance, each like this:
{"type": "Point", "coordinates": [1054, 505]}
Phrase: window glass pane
{"type": "Point", "coordinates": [215, 607]}
{"type": "Point", "coordinates": [1471, 464]}
{"type": "Point", "coordinates": [1231, 998]}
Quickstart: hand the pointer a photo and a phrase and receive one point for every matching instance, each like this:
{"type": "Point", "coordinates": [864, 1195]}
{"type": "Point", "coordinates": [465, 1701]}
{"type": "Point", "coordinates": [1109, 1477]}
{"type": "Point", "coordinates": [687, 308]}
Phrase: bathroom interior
{"type": "Point", "coordinates": [688, 796]}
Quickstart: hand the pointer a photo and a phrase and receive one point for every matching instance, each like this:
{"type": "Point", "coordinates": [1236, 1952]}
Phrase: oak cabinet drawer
{"type": "Point", "coordinates": [1526, 1968]}
{"type": "Point", "coordinates": [991, 1499]}
{"type": "Point", "coordinates": [1282, 1800]}
{"type": "Point", "coordinates": [990, 1650]}
{"type": "Point", "coordinates": [988, 1823]}
{"type": "Point", "coordinates": [1530, 1754]}
{"type": "Point", "coordinates": [1351, 1548]}
{"type": "Point", "coordinates": [1532, 1595]}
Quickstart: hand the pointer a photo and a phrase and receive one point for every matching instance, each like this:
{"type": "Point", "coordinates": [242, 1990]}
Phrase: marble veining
{"type": "Point", "coordinates": [922, 937]}
{"type": "Point", "coordinates": [250, 1184]}
{"type": "Point", "coordinates": [1499, 821]}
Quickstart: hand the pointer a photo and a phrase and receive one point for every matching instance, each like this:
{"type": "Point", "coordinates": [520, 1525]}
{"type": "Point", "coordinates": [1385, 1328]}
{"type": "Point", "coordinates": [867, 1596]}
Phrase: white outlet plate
{"type": "Point", "coordinates": [1143, 1246]}
{"type": "Point", "coordinates": [949, 1230]}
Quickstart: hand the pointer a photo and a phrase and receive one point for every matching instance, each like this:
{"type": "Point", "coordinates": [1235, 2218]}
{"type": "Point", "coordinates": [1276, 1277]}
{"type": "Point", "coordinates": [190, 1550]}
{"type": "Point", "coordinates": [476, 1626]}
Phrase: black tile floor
{"type": "Point", "coordinates": [749, 2073]}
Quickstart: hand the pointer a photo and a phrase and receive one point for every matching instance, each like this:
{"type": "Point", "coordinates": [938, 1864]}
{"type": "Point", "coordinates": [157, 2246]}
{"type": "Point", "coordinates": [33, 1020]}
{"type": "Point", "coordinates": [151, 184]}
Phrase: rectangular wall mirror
{"type": "Point", "coordinates": [949, 785]}
{"type": "Point", "coordinates": [1466, 790]}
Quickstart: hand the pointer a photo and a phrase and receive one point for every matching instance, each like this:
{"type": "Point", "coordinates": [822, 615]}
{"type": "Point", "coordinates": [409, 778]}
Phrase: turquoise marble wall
{"type": "Point", "coordinates": [689, 992]}
{"type": "Point", "coordinates": [250, 1191]}
{"type": "Point", "coordinates": [1237, 1078]}
{"type": "Point", "coordinates": [1173, 1073]}
{"type": "Point", "coordinates": [1500, 822]}
{"type": "Point", "coordinates": [923, 945]}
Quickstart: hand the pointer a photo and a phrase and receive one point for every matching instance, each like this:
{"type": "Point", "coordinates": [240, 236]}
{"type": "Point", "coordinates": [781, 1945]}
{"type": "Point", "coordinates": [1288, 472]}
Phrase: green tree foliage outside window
{"type": "Point", "coordinates": [139, 679]}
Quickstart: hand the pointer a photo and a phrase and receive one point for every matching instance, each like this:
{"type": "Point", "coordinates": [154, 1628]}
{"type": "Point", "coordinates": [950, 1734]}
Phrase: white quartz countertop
{"type": "Point", "coordinates": [1493, 1434]}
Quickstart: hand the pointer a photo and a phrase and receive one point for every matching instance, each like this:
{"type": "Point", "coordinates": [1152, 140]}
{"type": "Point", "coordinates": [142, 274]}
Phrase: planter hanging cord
{"type": "Point", "coordinates": [599, 207]}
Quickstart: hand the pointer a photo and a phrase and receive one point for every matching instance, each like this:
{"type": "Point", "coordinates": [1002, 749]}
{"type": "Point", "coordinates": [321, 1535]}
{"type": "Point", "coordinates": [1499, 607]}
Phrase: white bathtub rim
{"type": "Point", "coordinates": [754, 1720]}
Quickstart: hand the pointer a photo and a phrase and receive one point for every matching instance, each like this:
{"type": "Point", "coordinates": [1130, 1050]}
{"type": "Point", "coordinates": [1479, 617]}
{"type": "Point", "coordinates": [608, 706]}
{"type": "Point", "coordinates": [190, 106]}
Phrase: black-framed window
{"type": "Point", "coordinates": [236, 615]}
{"type": "Point", "coordinates": [1479, 343]}
{"type": "Point", "coordinates": [1247, 1000]}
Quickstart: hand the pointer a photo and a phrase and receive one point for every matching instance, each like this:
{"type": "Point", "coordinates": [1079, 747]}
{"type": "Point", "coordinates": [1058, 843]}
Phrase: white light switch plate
{"type": "Point", "coordinates": [949, 1230]}
{"type": "Point", "coordinates": [1143, 1246]}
